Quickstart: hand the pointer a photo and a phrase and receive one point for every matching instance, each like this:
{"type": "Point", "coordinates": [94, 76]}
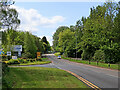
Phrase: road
{"type": "Point", "coordinates": [101, 77]}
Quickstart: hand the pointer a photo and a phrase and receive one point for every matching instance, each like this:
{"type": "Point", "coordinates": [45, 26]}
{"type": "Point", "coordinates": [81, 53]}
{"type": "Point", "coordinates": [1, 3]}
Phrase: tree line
{"type": "Point", "coordinates": [10, 36]}
{"type": "Point", "coordinates": [96, 37]}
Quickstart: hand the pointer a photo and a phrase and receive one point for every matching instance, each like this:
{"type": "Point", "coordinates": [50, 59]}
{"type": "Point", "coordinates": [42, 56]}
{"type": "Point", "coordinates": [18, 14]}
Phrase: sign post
{"type": "Point", "coordinates": [38, 54]}
{"type": "Point", "coordinates": [9, 53]}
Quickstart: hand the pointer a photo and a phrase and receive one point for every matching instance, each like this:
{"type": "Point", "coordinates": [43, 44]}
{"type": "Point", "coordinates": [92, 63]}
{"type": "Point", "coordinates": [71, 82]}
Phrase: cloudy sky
{"type": "Point", "coordinates": [43, 18]}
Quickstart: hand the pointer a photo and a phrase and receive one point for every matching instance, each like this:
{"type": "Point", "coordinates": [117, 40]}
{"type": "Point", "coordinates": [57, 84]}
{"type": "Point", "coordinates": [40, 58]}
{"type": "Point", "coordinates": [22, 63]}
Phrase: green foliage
{"type": "Point", "coordinates": [29, 45]}
{"type": "Point", "coordinates": [26, 55]}
{"type": "Point", "coordinates": [46, 45]}
{"type": "Point", "coordinates": [99, 31]}
{"type": "Point", "coordinates": [56, 37]}
{"type": "Point", "coordinates": [65, 39]}
{"type": "Point", "coordinates": [13, 61]}
{"type": "Point", "coordinates": [99, 55]}
{"type": "Point", "coordinates": [21, 60]}
{"type": "Point", "coordinates": [9, 18]}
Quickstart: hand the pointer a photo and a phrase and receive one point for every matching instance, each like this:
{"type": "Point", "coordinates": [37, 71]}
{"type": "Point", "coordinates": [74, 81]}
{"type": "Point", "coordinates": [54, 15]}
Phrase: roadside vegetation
{"type": "Point", "coordinates": [93, 38]}
{"type": "Point", "coordinates": [94, 63]}
{"type": "Point", "coordinates": [21, 61]}
{"type": "Point", "coordinates": [39, 77]}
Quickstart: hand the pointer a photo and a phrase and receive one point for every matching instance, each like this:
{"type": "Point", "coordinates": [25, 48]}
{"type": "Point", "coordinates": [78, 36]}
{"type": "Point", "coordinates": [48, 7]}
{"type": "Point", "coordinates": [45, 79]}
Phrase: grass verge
{"type": "Point", "coordinates": [40, 77]}
{"type": "Point", "coordinates": [105, 65]}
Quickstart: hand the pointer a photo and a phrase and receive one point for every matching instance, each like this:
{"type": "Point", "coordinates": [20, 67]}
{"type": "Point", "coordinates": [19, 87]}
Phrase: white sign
{"type": "Point", "coordinates": [14, 57]}
{"type": "Point", "coordinates": [8, 53]}
{"type": "Point", "coordinates": [17, 48]}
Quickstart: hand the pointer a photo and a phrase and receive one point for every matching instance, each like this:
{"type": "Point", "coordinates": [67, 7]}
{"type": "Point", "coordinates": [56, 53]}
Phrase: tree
{"type": "Point", "coordinates": [56, 37]}
{"type": "Point", "coordinates": [30, 48]}
{"type": "Point", "coordinates": [65, 39]}
{"type": "Point", "coordinates": [46, 45]}
{"type": "Point", "coordinates": [8, 17]}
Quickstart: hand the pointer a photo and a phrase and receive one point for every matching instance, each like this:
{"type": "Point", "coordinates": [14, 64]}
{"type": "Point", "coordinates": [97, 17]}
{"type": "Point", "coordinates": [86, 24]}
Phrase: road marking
{"type": "Point", "coordinates": [84, 80]}
{"type": "Point", "coordinates": [81, 79]}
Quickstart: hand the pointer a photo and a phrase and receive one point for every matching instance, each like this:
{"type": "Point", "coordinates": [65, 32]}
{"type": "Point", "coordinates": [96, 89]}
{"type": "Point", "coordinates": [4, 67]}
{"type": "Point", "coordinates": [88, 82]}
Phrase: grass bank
{"type": "Point", "coordinates": [105, 65]}
{"type": "Point", "coordinates": [94, 63]}
{"type": "Point", "coordinates": [40, 77]}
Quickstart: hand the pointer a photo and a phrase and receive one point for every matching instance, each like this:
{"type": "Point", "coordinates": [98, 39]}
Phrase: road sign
{"type": "Point", "coordinates": [1, 52]}
{"type": "Point", "coordinates": [17, 48]}
{"type": "Point", "coordinates": [38, 54]}
{"type": "Point", "coordinates": [14, 57]}
{"type": "Point", "coordinates": [8, 53]}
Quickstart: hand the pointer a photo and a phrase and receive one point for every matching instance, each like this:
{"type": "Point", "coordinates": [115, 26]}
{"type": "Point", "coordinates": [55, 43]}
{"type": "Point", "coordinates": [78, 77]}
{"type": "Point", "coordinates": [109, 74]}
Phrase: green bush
{"type": "Point", "coordinates": [38, 59]}
{"type": "Point", "coordinates": [21, 60]}
{"type": "Point", "coordinates": [99, 55]}
{"type": "Point", "coordinates": [25, 61]}
{"type": "Point", "coordinates": [13, 61]}
{"type": "Point", "coordinates": [88, 52]}
{"type": "Point", "coordinates": [27, 55]}
{"type": "Point", "coordinates": [86, 55]}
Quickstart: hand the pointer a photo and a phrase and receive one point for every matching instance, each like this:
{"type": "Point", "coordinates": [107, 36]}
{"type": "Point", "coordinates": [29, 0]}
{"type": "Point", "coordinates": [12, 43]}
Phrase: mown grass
{"type": "Point", "coordinates": [40, 77]}
{"type": "Point", "coordinates": [104, 65]}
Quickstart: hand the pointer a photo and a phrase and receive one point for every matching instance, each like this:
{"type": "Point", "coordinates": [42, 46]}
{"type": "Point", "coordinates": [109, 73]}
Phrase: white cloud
{"type": "Point", "coordinates": [31, 19]}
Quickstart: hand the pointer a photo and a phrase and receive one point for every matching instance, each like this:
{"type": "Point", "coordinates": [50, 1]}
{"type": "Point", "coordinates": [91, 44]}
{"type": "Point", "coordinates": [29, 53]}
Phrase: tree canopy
{"type": "Point", "coordinates": [99, 33]}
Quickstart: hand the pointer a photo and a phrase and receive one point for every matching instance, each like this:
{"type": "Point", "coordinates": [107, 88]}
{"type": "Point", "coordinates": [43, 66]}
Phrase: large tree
{"type": "Point", "coordinates": [30, 48]}
{"type": "Point", "coordinates": [56, 37]}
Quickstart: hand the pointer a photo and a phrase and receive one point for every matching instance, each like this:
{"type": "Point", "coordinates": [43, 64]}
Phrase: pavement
{"type": "Point", "coordinates": [101, 77]}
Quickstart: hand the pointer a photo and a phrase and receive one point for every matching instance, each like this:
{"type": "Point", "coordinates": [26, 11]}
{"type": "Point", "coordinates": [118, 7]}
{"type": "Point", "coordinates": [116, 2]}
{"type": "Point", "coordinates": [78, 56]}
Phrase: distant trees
{"type": "Point", "coordinates": [93, 37]}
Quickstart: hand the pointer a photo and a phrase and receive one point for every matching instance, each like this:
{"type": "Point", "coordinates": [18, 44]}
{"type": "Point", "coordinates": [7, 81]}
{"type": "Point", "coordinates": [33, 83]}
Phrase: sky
{"type": "Point", "coordinates": [43, 18]}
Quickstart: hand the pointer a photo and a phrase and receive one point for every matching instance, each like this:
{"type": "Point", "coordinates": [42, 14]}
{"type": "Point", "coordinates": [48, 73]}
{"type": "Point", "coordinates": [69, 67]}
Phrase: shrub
{"type": "Point", "coordinates": [13, 61]}
{"type": "Point", "coordinates": [21, 60]}
{"type": "Point", "coordinates": [38, 59]}
{"type": "Point", "coordinates": [25, 61]}
{"type": "Point", "coordinates": [27, 55]}
{"type": "Point", "coordinates": [99, 55]}
{"type": "Point", "coordinates": [86, 55]}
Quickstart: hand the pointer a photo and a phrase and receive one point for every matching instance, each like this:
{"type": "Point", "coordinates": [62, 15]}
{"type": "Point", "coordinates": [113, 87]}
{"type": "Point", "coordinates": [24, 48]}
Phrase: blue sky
{"type": "Point", "coordinates": [43, 18]}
